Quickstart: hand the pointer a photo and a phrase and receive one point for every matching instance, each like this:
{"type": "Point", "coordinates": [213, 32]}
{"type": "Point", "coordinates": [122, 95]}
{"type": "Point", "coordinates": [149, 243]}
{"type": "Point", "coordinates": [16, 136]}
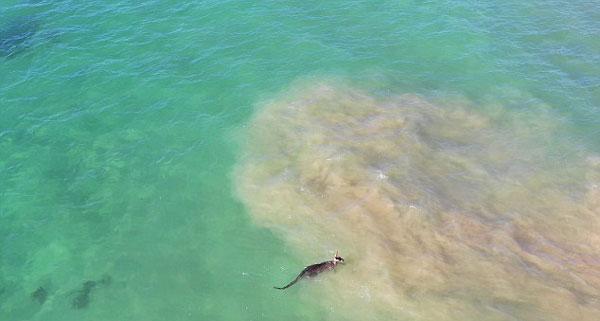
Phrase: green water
{"type": "Point", "coordinates": [119, 125]}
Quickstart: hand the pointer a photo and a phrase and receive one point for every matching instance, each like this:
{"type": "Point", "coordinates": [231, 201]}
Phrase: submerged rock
{"type": "Point", "coordinates": [82, 297]}
{"type": "Point", "coordinates": [15, 34]}
{"type": "Point", "coordinates": [40, 295]}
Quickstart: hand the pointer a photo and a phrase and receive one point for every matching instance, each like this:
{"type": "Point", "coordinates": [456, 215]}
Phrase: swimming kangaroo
{"type": "Point", "coordinates": [312, 270]}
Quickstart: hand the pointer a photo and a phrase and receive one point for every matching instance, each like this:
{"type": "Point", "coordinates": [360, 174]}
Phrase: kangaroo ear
{"type": "Point", "coordinates": [336, 253]}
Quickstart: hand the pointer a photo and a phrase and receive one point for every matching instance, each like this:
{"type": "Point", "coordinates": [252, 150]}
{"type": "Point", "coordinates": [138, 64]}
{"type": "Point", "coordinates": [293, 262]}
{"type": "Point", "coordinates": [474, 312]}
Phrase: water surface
{"type": "Point", "coordinates": [197, 154]}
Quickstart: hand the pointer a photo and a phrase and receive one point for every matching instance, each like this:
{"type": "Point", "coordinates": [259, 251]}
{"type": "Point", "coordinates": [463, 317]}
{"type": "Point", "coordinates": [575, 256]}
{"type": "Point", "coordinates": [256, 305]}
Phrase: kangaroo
{"type": "Point", "coordinates": [312, 270]}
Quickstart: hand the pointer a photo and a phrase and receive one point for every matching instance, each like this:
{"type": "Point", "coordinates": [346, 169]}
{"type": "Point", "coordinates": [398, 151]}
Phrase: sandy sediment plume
{"type": "Point", "coordinates": [443, 213]}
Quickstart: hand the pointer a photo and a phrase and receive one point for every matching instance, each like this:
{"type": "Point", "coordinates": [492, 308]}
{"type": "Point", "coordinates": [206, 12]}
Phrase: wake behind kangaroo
{"type": "Point", "coordinates": [313, 270]}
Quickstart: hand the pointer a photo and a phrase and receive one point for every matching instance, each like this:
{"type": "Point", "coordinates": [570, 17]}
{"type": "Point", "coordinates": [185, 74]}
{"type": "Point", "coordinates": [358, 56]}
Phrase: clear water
{"type": "Point", "coordinates": [197, 154]}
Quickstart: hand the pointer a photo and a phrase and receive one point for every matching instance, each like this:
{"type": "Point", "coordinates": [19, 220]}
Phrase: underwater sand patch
{"type": "Point", "coordinates": [442, 213]}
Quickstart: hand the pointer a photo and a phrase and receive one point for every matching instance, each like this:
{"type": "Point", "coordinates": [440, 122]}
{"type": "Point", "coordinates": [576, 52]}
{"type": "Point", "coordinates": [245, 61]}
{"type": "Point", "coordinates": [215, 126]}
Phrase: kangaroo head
{"type": "Point", "coordinates": [337, 259]}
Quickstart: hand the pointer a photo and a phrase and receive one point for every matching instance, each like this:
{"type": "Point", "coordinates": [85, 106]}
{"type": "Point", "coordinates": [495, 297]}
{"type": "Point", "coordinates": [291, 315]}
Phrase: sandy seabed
{"type": "Point", "coordinates": [443, 211]}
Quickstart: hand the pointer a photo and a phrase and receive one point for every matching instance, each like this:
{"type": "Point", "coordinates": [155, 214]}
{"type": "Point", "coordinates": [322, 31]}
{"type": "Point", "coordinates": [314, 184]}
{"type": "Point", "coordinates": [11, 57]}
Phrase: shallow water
{"type": "Point", "coordinates": [197, 154]}
{"type": "Point", "coordinates": [444, 212]}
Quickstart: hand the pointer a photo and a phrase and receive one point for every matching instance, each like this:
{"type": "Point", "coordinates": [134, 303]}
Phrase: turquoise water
{"type": "Point", "coordinates": [122, 132]}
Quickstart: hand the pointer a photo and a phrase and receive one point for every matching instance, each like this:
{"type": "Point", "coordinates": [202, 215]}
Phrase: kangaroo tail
{"type": "Point", "coordinates": [287, 286]}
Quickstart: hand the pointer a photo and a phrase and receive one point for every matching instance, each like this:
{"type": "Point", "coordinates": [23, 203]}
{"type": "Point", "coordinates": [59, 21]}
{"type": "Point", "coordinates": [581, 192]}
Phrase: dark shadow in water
{"type": "Point", "coordinates": [16, 34]}
{"type": "Point", "coordinates": [82, 297]}
{"type": "Point", "coordinates": [40, 295]}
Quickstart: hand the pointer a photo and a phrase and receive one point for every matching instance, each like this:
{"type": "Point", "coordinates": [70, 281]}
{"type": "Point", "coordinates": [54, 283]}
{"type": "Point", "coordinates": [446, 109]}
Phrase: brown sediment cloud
{"type": "Point", "coordinates": [443, 213]}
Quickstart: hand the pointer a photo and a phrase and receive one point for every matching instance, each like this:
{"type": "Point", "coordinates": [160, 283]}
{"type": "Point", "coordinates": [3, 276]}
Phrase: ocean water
{"type": "Point", "coordinates": [165, 160]}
